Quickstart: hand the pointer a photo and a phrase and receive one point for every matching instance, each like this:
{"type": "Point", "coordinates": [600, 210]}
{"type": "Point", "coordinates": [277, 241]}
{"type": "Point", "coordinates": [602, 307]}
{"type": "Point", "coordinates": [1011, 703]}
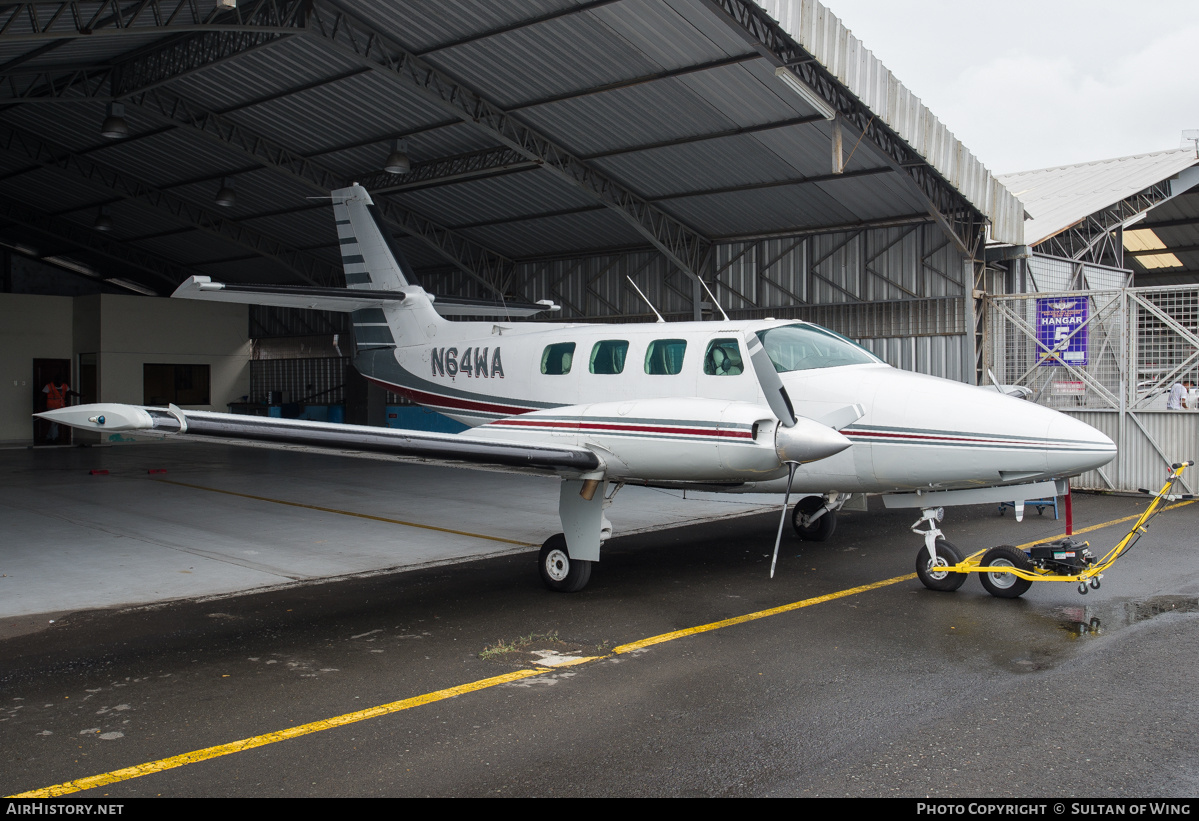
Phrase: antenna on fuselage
{"type": "Point", "coordinates": [712, 297]}
{"type": "Point", "coordinates": [647, 302]}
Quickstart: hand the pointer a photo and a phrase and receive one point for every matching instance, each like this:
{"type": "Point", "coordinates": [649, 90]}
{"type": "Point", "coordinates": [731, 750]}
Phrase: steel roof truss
{"type": "Point", "coordinates": [1087, 239]}
{"type": "Point", "coordinates": [312, 269]}
{"type": "Point", "coordinates": [681, 244]}
{"type": "Point", "coordinates": [485, 163]}
{"type": "Point", "coordinates": [475, 260]}
{"type": "Point", "coordinates": [224, 36]}
{"type": "Point", "coordinates": [35, 21]}
{"type": "Point", "coordinates": [94, 242]}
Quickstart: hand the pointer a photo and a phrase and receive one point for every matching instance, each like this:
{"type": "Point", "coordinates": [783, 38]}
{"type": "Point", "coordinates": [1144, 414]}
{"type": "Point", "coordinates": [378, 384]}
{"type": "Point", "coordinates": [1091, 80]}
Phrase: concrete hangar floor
{"type": "Point", "coordinates": [173, 634]}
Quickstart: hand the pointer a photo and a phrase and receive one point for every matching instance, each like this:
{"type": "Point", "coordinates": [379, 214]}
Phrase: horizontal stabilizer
{"type": "Point", "coordinates": [461, 306]}
{"type": "Point", "coordinates": [345, 300]}
{"type": "Point", "coordinates": [285, 296]}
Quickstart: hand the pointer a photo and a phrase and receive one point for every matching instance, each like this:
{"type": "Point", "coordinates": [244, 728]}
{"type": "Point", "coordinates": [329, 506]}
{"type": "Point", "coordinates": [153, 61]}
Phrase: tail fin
{"type": "Point", "coordinates": [369, 259]}
{"type": "Point", "coordinates": [372, 263]}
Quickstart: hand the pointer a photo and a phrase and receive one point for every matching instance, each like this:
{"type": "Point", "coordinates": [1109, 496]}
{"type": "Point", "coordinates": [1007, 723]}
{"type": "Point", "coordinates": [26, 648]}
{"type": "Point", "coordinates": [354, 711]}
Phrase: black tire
{"type": "Point", "coordinates": [1005, 585]}
{"type": "Point", "coordinates": [559, 572]}
{"type": "Point", "coordinates": [931, 576]}
{"type": "Point", "coordinates": [823, 527]}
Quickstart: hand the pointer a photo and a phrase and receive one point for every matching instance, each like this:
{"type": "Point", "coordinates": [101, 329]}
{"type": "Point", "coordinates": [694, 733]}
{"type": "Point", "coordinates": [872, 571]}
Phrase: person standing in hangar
{"type": "Point", "coordinates": [57, 394]}
{"type": "Point", "coordinates": [1179, 393]}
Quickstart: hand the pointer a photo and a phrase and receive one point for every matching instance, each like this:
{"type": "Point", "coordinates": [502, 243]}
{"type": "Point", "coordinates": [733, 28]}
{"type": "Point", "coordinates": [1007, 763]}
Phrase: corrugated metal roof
{"type": "Point", "coordinates": [521, 195]}
{"type": "Point", "coordinates": [825, 37]}
{"type": "Point", "coordinates": [1056, 198]}
{"type": "Point", "coordinates": [668, 100]}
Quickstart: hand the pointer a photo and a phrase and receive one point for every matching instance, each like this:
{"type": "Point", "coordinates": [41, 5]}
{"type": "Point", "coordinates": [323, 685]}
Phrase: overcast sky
{"type": "Point", "coordinates": [1029, 85]}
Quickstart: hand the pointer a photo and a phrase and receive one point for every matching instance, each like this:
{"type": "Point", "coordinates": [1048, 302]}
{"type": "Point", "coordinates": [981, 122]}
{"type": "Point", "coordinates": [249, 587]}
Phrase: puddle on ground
{"type": "Point", "coordinates": [1083, 621]}
{"type": "Point", "coordinates": [1095, 619]}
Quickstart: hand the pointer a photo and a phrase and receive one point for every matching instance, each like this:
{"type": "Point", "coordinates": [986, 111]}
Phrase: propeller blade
{"type": "Point", "coordinates": [791, 466]}
{"type": "Point", "coordinates": [768, 379]}
{"type": "Point", "coordinates": [842, 417]}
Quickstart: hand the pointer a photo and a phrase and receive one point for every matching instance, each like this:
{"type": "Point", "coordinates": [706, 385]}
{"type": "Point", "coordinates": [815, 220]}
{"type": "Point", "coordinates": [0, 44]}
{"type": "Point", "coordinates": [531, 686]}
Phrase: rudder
{"type": "Point", "coordinates": [368, 258]}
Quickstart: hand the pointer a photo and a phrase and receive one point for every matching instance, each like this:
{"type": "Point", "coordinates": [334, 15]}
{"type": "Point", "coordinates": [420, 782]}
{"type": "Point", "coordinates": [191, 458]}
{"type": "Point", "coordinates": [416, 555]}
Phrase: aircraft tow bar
{"type": "Point", "coordinates": [1007, 571]}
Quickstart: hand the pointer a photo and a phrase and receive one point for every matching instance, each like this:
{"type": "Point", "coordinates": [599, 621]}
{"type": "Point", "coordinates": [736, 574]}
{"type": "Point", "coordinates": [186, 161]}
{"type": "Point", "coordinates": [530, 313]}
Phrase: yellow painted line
{"type": "Point", "coordinates": [1131, 518]}
{"type": "Point", "coordinates": [348, 513]}
{"type": "Point", "coordinates": [103, 779]}
{"type": "Point", "coordinates": [761, 614]}
{"type": "Point", "coordinates": [207, 753]}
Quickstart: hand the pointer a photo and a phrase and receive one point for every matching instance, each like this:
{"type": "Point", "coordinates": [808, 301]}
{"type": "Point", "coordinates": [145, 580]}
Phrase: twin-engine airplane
{"type": "Point", "coordinates": [736, 406]}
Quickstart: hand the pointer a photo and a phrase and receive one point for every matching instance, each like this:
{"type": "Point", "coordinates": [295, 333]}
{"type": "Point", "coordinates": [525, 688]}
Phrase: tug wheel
{"type": "Point", "coordinates": [931, 573]}
{"type": "Point", "coordinates": [1005, 585]}
{"type": "Point", "coordinates": [559, 572]}
{"type": "Point", "coordinates": [819, 530]}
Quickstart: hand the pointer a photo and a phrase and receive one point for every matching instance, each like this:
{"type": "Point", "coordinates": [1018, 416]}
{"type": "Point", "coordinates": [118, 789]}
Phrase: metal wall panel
{"type": "Point", "coordinates": [319, 381]}
{"type": "Point", "coordinates": [1146, 447]}
{"type": "Point", "coordinates": [943, 356]}
{"type": "Point", "coordinates": [901, 291]}
{"type": "Point", "coordinates": [1050, 273]}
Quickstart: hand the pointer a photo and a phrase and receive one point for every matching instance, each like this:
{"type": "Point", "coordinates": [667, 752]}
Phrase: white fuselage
{"type": "Point", "coordinates": [524, 380]}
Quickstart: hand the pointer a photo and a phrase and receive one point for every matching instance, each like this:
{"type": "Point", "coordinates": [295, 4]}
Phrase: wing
{"type": "Point", "coordinates": [345, 300]}
{"type": "Point", "coordinates": [437, 447]}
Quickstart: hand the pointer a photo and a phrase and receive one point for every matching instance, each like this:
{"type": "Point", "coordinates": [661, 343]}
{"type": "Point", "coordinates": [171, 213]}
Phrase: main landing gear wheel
{"type": "Point", "coordinates": [559, 571]}
{"type": "Point", "coordinates": [1005, 585]}
{"type": "Point", "coordinates": [820, 529]}
{"type": "Point", "coordinates": [931, 573]}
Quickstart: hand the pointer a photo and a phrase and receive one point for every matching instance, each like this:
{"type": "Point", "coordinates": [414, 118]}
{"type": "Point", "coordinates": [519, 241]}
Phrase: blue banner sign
{"type": "Point", "coordinates": [1061, 330]}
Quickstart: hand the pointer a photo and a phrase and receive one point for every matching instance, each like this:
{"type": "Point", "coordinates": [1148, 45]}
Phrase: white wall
{"type": "Point", "coordinates": [126, 332]}
{"type": "Point", "coordinates": [135, 331]}
{"type": "Point", "coordinates": [31, 327]}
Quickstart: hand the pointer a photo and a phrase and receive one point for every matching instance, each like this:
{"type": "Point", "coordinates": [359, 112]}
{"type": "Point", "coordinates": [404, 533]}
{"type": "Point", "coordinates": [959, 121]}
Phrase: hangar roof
{"type": "Point", "coordinates": [1157, 191]}
{"type": "Point", "coordinates": [535, 129]}
{"type": "Point", "coordinates": [1056, 198]}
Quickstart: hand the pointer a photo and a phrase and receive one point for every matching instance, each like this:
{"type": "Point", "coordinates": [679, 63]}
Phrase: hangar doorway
{"type": "Point", "coordinates": [46, 371]}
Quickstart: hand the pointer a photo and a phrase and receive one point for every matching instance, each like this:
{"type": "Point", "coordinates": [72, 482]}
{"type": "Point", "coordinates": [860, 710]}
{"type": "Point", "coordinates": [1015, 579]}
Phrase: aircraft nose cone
{"type": "Point", "coordinates": [808, 441]}
{"type": "Point", "coordinates": [1076, 447]}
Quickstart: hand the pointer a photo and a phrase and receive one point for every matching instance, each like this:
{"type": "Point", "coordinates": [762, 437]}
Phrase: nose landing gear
{"type": "Point", "coordinates": [938, 556]}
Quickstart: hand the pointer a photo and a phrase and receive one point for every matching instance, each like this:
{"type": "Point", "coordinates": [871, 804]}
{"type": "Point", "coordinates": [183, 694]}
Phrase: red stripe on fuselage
{"type": "Point", "coordinates": [439, 401]}
{"type": "Point", "coordinates": [584, 425]}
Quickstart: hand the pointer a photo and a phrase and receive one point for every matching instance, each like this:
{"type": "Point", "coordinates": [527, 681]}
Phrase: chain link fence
{"type": "Point", "coordinates": [1110, 358]}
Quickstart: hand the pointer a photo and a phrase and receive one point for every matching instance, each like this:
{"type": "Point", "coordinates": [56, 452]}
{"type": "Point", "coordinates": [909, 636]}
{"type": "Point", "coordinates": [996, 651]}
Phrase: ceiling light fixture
{"type": "Point", "coordinates": [803, 90]}
{"type": "Point", "coordinates": [130, 285]}
{"type": "Point", "coordinates": [226, 196]}
{"type": "Point", "coordinates": [103, 221]}
{"type": "Point", "coordinates": [114, 126]}
{"type": "Point", "coordinates": [397, 161]}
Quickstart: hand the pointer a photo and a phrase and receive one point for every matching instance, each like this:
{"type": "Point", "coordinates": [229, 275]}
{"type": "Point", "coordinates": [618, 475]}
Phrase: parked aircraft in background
{"type": "Point", "coordinates": [736, 406]}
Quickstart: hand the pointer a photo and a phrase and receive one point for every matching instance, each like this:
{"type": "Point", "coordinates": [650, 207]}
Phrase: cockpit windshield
{"type": "Point", "coordinates": [807, 347]}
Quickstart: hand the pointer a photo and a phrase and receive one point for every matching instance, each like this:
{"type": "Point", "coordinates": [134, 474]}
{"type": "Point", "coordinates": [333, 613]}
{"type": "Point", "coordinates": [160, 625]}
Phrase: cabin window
{"type": "Point", "coordinates": [556, 358]}
{"type": "Point", "coordinates": [807, 347]}
{"type": "Point", "coordinates": [723, 358]}
{"type": "Point", "coordinates": [608, 356]}
{"type": "Point", "coordinates": [665, 356]}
